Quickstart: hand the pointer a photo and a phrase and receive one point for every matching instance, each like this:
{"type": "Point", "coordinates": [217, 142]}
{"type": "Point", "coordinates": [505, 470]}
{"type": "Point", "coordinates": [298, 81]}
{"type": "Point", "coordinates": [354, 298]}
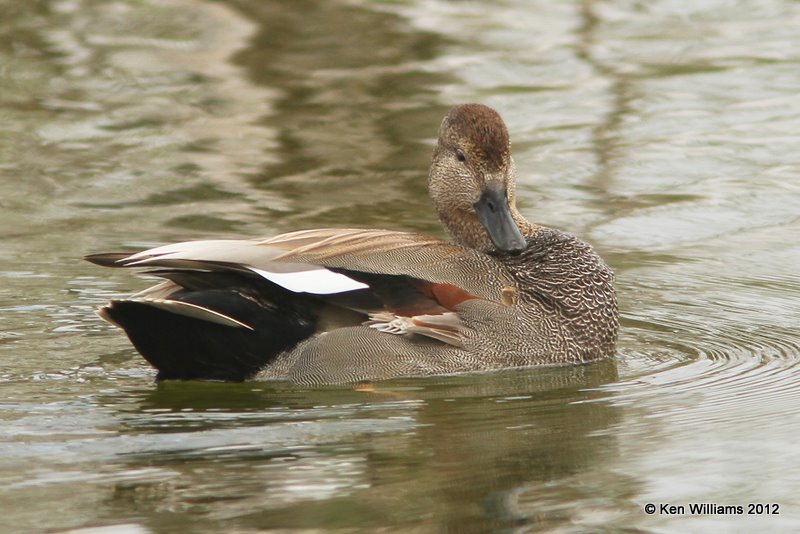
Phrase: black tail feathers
{"type": "Point", "coordinates": [188, 347]}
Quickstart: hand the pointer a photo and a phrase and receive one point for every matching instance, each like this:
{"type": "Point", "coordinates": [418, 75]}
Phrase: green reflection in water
{"type": "Point", "coordinates": [350, 114]}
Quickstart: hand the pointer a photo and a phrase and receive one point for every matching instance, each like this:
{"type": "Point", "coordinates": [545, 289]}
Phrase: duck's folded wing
{"type": "Point", "coordinates": [405, 282]}
{"type": "Point", "coordinates": [239, 255]}
{"type": "Point", "coordinates": [297, 260]}
{"type": "Point", "coordinates": [395, 253]}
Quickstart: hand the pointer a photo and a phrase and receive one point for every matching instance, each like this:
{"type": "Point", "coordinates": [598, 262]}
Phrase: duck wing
{"type": "Point", "coordinates": [334, 261]}
{"type": "Point", "coordinates": [386, 252]}
{"type": "Point", "coordinates": [396, 282]}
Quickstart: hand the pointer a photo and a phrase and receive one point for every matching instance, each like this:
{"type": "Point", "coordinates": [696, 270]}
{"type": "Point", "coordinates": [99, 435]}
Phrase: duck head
{"type": "Point", "coordinates": [472, 181]}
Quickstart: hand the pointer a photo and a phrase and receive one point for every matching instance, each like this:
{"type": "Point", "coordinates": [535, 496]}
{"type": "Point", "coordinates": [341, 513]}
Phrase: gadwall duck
{"type": "Point", "coordinates": [336, 306]}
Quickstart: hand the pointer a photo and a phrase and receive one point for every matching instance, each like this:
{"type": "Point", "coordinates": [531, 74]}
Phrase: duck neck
{"type": "Point", "coordinates": [466, 230]}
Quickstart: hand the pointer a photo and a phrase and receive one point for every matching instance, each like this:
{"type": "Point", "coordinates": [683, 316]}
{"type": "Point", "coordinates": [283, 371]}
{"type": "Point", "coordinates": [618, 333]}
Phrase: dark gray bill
{"type": "Point", "coordinates": [495, 215]}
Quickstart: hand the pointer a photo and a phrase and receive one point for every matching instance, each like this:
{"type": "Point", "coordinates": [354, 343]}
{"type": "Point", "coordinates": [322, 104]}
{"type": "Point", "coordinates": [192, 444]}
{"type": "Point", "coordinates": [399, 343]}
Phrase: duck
{"type": "Point", "coordinates": [351, 306]}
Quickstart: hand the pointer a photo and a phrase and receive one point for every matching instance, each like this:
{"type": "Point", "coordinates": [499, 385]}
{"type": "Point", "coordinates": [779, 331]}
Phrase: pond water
{"type": "Point", "coordinates": [666, 133]}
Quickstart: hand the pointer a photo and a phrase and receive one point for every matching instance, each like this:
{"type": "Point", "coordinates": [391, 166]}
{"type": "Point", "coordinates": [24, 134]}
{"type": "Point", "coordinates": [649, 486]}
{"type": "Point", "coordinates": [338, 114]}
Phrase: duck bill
{"type": "Point", "coordinates": [494, 214]}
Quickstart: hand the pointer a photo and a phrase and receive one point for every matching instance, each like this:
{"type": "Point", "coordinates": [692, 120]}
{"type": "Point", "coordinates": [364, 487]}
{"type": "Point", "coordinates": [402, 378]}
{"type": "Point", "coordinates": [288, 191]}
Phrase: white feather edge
{"type": "Point", "coordinates": [444, 327]}
{"type": "Point", "coordinates": [296, 277]}
{"type": "Point", "coordinates": [186, 309]}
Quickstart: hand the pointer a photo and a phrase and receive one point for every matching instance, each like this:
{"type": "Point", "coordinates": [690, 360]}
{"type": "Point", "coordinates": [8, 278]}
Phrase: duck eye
{"type": "Point", "coordinates": [460, 156]}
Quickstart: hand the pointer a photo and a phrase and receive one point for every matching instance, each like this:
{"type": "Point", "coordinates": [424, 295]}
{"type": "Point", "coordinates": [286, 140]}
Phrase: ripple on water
{"type": "Point", "coordinates": [727, 359]}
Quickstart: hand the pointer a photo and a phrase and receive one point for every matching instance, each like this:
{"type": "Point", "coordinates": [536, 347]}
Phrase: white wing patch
{"type": "Point", "coordinates": [317, 281]}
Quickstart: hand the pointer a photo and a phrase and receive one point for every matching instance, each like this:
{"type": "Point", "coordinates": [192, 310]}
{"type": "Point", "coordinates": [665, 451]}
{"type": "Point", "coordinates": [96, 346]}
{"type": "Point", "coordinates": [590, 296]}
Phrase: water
{"type": "Point", "coordinates": [663, 132]}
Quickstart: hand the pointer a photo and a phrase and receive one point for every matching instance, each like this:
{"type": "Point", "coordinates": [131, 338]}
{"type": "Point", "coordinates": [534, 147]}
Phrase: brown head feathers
{"type": "Point", "coordinates": [484, 132]}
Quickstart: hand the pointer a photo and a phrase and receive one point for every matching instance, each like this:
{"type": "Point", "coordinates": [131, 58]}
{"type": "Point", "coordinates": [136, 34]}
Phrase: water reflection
{"type": "Point", "coordinates": [466, 454]}
{"type": "Point", "coordinates": [346, 114]}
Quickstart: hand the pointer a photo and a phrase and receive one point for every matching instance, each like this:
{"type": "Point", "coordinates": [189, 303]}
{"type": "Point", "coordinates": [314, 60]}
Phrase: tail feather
{"type": "Point", "coordinates": [186, 339]}
{"type": "Point", "coordinates": [107, 259]}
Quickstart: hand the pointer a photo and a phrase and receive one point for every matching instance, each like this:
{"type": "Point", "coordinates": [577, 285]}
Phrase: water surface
{"type": "Point", "coordinates": [664, 133]}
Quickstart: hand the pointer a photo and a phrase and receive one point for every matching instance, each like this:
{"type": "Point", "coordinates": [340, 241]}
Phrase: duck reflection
{"type": "Point", "coordinates": [470, 453]}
